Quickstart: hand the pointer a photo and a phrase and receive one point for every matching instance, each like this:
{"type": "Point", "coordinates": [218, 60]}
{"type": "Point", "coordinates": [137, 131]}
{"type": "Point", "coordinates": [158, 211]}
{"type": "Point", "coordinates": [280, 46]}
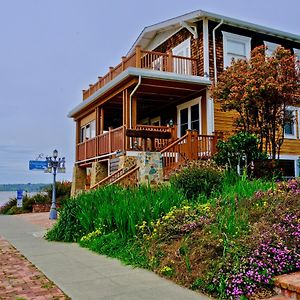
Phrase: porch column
{"type": "Point", "coordinates": [126, 118]}
{"type": "Point", "coordinates": [101, 120]}
{"type": "Point", "coordinates": [77, 139]}
{"type": "Point", "coordinates": [134, 111]}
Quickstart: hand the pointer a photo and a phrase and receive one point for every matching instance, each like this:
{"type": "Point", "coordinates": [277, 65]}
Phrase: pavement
{"type": "Point", "coordinates": [82, 274]}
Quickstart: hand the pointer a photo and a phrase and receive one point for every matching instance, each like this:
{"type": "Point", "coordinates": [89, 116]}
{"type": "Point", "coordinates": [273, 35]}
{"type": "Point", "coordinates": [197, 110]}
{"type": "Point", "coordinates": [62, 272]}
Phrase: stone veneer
{"type": "Point", "coordinates": [150, 167]}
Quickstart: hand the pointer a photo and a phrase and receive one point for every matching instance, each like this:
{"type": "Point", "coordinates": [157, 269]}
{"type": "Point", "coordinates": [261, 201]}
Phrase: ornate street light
{"type": "Point", "coordinates": [56, 164]}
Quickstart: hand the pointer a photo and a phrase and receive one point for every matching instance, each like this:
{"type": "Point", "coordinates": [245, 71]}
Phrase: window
{"type": "Point", "coordinates": [188, 115]}
{"type": "Point", "coordinates": [88, 131]}
{"type": "Point", "coordinates": [235, 47]}
{"type": "Point", "coordinates": [182, 66]}
{"type": "Point", "coordinates": [270, 48]}
{"type": "Point", "coordinates": [290, 126]}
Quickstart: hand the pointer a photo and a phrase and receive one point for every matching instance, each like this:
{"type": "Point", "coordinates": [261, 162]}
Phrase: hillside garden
{"type": "Point", "coordinates": [209, 230]}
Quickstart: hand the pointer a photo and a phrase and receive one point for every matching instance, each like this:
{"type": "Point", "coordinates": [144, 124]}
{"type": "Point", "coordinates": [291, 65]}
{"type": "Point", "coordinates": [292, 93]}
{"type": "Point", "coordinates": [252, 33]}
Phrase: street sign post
{"type": "Point", "coordinates": [20, 198]}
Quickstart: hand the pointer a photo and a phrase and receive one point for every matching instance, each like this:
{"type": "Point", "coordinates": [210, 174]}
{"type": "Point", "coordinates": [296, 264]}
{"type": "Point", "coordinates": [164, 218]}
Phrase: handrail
{"type": "Point", "coordinates": [127, 174]}
{"type": "Point", "coordinates": [174, 143]}
{"type": "Point", "coordinates": [101, 182]}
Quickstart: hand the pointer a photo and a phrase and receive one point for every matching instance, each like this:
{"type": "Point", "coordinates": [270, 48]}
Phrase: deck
{"type": "Point", "coordinates": [165, 62]}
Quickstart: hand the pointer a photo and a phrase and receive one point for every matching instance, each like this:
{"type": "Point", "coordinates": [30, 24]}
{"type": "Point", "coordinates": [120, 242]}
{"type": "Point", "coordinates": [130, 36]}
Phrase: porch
{"type": "Point", "coordinates": [190, 146]}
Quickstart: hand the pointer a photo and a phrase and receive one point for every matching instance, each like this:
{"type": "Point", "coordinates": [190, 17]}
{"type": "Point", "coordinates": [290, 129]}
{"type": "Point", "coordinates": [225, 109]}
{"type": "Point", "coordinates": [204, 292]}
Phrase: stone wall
{"type": "Point", "coordinates": [98, 172]}
{"type": "Point", "coordinates": [78, 181]}
{"type": "Point", "coordinates": [150, 167]}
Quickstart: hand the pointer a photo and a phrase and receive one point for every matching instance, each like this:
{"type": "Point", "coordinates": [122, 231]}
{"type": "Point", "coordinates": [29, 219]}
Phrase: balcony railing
{"type": "Point", "coordinates": [151, 60]}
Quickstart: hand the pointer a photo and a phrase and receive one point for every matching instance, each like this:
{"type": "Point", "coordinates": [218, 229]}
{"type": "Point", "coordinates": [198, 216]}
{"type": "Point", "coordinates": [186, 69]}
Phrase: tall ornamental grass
{"type": "Point", "coordinates": [113, 208]}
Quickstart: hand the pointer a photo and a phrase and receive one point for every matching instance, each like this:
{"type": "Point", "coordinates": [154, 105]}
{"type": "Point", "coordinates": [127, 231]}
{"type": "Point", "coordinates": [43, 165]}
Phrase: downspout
{"type": "Point", "coordinates": [214, 49]}
{"type": "Point", "coordinates": [130, 105]}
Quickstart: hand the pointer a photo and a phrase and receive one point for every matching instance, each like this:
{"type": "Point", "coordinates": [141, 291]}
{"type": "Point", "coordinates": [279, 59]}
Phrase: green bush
{"type": "Point", "coordinates": [201, 177]}
{"type": "Point", "coordinates": [241, 148]}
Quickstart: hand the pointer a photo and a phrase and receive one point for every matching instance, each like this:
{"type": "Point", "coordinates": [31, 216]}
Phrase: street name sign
{"type": "Point", "coordinates": [38, 165]}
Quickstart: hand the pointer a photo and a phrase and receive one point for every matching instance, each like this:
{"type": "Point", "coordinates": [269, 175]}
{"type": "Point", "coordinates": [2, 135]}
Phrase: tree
{"type": "Point", "coordinates": [259, 90]}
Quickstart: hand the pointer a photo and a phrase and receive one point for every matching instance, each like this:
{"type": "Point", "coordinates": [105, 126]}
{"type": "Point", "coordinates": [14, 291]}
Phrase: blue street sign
{"type": "Point", "coordinates": [19, 198]}
{"type": "Point", "coordinates": [38, 165]}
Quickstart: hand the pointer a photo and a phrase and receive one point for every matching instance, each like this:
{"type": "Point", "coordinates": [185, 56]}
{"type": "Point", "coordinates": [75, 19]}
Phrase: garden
{"type": "Point", "coordinates": [209, 230]}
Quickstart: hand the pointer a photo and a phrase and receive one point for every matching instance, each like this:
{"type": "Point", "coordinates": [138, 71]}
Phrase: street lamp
{"type": "Point", "coordinates": [55, 164]}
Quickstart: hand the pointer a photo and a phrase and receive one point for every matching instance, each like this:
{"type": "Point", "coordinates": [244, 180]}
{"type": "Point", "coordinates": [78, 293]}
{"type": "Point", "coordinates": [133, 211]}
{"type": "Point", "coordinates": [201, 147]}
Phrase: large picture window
{"type": "Point", "coordinates": [290, 129]}
{"type": "Point", "coordinates": [235, 47]}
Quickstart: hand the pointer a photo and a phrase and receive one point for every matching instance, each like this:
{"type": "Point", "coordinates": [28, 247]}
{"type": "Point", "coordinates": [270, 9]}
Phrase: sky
{"type": "Point", "coordinates": [52, 49]}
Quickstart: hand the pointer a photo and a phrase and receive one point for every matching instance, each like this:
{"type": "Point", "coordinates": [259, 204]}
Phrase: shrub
{"type": "Point", "coordinates": [241, 148]}
{"type": "Point", "coordinates": [199, 177]}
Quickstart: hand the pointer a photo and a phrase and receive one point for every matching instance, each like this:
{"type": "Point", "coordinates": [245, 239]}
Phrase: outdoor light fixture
{"type": "Point", "coordinates": [171, 123]}
{"type": "Point", "coordinates": [57, 165]}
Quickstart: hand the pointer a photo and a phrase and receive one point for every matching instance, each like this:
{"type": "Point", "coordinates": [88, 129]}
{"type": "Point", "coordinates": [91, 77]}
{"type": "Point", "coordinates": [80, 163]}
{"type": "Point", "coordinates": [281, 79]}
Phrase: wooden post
{"type": "Point", "coordinates": [170, 62]}
{"type": "Point", "coordinates": [101, 120]}
{"type": "Point", "coordinates": [134, 112]}
{"type": "Point", "coordinates": [188, 144]}
{"type": "Point", "coordinates": [110, 72]}
{"type": "Point", "coordinates": [123, 62]}
{"type": "Point", "coordinates": [109, 140]}
{"type": "Point", "coordinates": [138, 56]}
{"type": "Point", "coordinates": [194, 144]}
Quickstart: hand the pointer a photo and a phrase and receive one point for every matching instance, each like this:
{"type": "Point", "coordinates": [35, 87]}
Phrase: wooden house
{"type": "Point", "coordinates": [153, 110]}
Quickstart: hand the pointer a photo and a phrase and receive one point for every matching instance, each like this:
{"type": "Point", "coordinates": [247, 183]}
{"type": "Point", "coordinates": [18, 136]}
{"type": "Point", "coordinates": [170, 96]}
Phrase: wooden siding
{"type": "Point", "coordinates": [87, 119]}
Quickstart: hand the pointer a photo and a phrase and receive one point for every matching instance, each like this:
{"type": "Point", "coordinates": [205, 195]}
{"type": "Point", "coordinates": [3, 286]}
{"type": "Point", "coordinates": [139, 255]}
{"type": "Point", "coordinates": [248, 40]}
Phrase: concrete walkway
{"type": "Point", "coordinates": [82, 274]}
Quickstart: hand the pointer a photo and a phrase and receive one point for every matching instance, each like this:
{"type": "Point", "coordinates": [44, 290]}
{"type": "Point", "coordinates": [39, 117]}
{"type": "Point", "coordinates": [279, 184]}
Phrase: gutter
{"type": "Point", "coordinates": [214, 49]}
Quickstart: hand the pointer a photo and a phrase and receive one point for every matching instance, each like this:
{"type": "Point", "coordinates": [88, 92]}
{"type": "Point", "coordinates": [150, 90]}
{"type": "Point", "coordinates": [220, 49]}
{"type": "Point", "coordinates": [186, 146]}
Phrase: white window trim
{"type": "Point", "coordinates": [236, 37]}
{"type": "Point", "coordinates": [210, 115]}
{"type": "Point", "coordinates": [293, 136]}
{"type": "Point", "coordinates": [185, 44]}
{"type": "Point", "coordinates": [297, 52]}
{"type": "Point", "coordinates": [187, 105]}
{"type": "Point", "coordinates": [271, 47]}
{"type": "Point", "coordinates": [295, 158]}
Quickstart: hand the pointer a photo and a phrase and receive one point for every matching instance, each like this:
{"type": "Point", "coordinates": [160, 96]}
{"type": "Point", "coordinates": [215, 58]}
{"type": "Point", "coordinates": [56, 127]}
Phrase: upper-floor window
{"type": "Point", "coordinates": [182, 66]}
{"type": "Point", "coordinates": [270, 48]}
{"type": "Point", "coordinates": [88, 131]}
{"type": "Point", "coordinates": [235, 47]}
{"type": "Point", "coordinates": [290, 130]}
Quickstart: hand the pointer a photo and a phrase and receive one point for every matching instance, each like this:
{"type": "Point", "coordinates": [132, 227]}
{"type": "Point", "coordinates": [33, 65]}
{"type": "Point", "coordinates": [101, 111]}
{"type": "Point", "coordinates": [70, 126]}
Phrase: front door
{"type": "Point", "coordinates": [188, 116]}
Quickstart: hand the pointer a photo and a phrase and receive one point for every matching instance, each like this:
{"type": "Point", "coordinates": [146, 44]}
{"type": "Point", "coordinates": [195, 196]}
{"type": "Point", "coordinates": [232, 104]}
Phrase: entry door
{"type": "Point", "coordinates": [182, 66]}
{"type": "Point", "coordinates": [188, 116]}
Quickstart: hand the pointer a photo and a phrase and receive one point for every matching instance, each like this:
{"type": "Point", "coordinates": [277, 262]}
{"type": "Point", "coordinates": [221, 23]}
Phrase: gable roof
{"type": "Point", "coordinates": [174, 24]}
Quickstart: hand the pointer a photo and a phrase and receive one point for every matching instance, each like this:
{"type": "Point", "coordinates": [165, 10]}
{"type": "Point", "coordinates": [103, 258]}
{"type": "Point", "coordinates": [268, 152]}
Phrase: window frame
{"type": "Point", "coordinates": [188, 105]}
{"type": "Point", "coordinates": [271, 48]}
{"type": "Point", "coordinates": [86, 131]}
{"type": "Point", "coordinates": [227, 36]}
{"type": "Point", "coordinates": [295, 112]}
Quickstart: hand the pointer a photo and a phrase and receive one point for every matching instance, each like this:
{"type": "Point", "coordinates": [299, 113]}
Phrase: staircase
{"type": "Point", "coordinates": [189, 147]}
{"type": "Point", "coordinates": [123, 176]}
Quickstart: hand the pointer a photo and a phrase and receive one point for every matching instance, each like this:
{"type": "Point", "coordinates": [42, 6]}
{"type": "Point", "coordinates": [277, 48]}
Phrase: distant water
{"type": "Point", "coordinates": [5, 196]}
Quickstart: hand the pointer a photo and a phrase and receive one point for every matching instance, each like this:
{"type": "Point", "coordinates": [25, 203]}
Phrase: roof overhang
{"type": "Point", "coordinates": [143, 73]}
{"type": "Point", "coordinates": [175, 24]}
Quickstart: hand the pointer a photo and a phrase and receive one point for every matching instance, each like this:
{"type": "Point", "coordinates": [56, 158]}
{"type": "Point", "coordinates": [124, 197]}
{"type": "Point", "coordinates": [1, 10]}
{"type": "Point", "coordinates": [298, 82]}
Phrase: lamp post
{"type": "Point", "coordinates": [54, 163]}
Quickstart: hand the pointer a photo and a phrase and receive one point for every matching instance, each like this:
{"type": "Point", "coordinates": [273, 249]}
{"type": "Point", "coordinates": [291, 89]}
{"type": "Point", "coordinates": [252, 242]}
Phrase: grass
{"type": "Point", "coordinates": [188, 241]}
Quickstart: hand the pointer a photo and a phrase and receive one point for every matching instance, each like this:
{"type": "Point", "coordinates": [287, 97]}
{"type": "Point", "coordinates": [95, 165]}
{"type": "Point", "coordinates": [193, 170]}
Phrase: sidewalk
{"type": "Point", "coordinates": [82, 274]}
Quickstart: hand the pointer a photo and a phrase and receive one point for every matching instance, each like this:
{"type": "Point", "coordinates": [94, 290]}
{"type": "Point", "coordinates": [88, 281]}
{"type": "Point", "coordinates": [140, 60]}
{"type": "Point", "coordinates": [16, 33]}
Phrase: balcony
{"type": "Point", "coordinates": [164, 62]}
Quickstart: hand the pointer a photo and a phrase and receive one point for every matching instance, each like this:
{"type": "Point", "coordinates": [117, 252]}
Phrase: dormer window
{"type": "Point", "coordinates": [270, 48]}
{"type": "Point", "coordinates": [235, 47]}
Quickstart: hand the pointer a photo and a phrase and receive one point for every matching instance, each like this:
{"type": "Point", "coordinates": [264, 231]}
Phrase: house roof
{"type": "Point", "coordinates": [136, 72]}
{"type": "Point", "coordinates": [174, 24]}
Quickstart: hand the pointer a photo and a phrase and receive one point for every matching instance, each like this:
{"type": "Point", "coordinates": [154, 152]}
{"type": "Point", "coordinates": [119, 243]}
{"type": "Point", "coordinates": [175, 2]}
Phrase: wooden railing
{"type": "Point", "coordinates": [189, 147]}
{"type": "Point", "coordinates": [159, 144]}
{"type": "Point", "coordinates": [116, 176]}
{"type": "Point", "coordinates": [152, 60]}
{"type": "Point", "coordinates": [105, 143]}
